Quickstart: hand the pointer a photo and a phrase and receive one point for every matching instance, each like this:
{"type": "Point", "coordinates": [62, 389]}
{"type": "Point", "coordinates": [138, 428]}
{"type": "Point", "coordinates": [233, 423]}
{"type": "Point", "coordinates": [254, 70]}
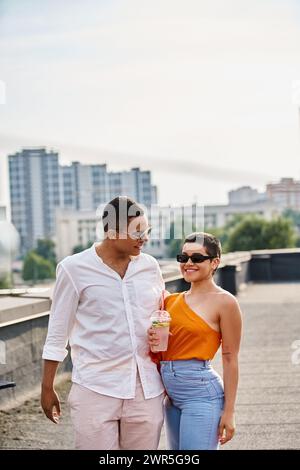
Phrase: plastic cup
{"type": "Point", "coordinates": [161, 322]}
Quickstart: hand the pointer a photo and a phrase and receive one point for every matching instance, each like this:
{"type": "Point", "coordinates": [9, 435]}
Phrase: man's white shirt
{"type": "Point", "coordinates": [105, 319]}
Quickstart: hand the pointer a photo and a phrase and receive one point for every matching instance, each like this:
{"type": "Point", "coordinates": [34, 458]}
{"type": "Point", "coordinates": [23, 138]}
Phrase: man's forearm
{"type": "Point", "coordinates": [49, 372]}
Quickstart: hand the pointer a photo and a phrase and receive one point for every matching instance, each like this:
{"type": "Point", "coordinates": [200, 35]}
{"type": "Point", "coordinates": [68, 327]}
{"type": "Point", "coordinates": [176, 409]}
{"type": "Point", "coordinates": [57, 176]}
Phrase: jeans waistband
{"type": "Point", "coordinates": [186, 364]}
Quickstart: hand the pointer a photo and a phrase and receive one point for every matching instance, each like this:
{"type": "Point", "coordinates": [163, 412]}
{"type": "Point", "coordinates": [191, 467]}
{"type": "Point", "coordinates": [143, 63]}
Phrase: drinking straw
{"type": "Point", "coordinates": [162, 300]}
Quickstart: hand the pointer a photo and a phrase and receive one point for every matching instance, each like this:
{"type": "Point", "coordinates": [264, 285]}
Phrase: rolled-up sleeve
{"type": "Point", "coordinates": [62, 316]}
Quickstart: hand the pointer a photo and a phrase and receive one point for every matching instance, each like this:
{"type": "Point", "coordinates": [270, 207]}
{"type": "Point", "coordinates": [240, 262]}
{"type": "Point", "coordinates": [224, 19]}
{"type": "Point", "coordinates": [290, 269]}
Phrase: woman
{"type": "Point", "coordinates": [199, 410]}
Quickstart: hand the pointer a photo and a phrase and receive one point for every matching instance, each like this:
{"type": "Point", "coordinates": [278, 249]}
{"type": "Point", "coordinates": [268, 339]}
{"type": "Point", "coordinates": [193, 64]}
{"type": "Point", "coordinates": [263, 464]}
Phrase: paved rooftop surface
{"type": "Point", "coordinates": [268, 408]}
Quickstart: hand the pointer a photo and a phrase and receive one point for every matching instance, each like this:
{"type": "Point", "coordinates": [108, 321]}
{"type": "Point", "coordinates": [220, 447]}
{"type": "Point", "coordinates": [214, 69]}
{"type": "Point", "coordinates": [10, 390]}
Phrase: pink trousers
{"type": "Point", "coordinates": [105, 423]}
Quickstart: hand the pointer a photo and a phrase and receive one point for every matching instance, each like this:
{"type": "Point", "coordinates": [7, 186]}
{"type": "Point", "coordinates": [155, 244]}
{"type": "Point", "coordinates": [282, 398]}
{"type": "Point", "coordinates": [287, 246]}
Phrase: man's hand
{"type": "Point", "coordinates": [50, 404]}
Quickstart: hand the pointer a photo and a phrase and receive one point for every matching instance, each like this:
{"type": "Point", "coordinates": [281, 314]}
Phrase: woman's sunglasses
{"type": "Point", "coordinates": [195, 257]}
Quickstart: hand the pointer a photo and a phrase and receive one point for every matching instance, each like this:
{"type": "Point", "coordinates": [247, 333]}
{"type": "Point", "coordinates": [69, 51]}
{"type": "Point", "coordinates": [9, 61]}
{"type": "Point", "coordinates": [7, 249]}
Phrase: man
{"type": "Point", "coordinates": [102, 303]}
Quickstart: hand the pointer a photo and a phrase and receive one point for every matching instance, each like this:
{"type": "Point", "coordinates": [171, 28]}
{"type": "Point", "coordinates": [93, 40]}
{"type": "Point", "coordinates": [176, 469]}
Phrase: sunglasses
{"type": "Point", "coordinates": [195, 257]}
{"type": "Point", "coordinates": [138, 235]}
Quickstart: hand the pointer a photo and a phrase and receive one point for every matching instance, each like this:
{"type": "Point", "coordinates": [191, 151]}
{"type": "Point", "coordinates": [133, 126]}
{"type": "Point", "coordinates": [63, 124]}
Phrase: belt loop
{"type": "Point", "coordinates": [171, 366]}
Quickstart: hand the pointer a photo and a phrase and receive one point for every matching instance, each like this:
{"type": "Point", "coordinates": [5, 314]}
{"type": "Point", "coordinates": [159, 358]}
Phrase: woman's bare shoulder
{"type": "Point", "coordinates": [226, 298]}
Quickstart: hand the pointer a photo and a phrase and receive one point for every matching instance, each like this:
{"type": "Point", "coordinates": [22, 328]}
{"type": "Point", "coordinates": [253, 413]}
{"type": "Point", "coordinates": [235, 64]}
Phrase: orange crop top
{"type": "Point", "coordinates": [191, 336]}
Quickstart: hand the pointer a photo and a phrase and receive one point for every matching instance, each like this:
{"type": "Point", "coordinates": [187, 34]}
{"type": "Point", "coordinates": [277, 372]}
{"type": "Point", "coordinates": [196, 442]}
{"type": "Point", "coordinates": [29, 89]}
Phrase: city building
{"type": "Point", "coordinates": [134, 183]}
{"type": "Point", "coordinates": [245, 195]}
{"type": "Point", "coordinates": [34, 194]}
{"type": "Point", "coordinates": [61, 202]}
{"type": "Point", "coordinates": [84, 187]}
{"type": "Point", "coordinates": [81, 227]}
{"type": "Point", "coordinates": [217, 216]}
{"type": "Point", "coordinates": [75, 228]}
{"type": "Point", "coordinates": [39, 185]}
{"type": "Point", "coordinates": [285, 194]}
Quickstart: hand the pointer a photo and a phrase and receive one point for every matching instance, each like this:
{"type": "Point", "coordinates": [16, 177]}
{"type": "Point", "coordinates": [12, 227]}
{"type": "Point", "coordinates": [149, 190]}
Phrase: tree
{"type": "Point", "coordinates": [256, 233]}
{"type": "Point", "coordinates": [46, 249]}
{"type": "Point", "coordinates": [175, 247]}
{"type": "Point", "coordinates": [293, 215]}
{"type": "Point", "coordinates": [6, 282]}
{"type": "Point", "coordinates": [79, 248]}
{"type": "Point", "coordinates": [280, 233]}
{"type": "Point", "coordinates": [37, 268]}
{"type": "Point", "coordinates": [223, 233]}
{"type": "Point", "coordinates": [175, 244]}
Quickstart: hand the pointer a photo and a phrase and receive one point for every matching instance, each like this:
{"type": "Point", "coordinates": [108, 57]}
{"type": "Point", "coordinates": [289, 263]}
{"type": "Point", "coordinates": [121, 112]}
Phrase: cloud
{"type": "Point", "coordinates": [191, 82]}
{"type": "Point", "coordinates": [175, 166]}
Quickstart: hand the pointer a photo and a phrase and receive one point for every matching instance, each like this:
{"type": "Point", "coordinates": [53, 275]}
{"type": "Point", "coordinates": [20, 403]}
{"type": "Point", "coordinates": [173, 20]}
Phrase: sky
{"type": "Point", "coordinates": [204, 94]}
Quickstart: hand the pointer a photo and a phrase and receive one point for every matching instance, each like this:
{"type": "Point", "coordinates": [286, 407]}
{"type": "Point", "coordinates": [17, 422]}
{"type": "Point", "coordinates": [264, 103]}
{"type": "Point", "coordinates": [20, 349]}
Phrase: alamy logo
{"type": "Point", "coordinates": [167, 223]}
{"type": "Point", "coordinates": [296, 354]}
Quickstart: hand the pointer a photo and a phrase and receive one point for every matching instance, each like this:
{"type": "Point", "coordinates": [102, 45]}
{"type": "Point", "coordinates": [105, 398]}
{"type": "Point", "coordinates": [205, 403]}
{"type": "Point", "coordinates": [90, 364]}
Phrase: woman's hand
{"type": "Point", "coordinates": [226, 427]}
{"type": "Point", "coordinates": [153, 339]}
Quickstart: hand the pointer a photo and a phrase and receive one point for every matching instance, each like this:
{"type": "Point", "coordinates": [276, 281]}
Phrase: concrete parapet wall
{"type": "Point", "coordinates": [24, 340]}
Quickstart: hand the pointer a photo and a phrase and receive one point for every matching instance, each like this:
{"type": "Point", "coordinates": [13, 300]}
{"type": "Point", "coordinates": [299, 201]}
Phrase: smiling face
{"type": "Point", "coordinates": [195, 272]}
{"type": "Point", "coordinates": [125, 226]}
{"type": "Point", "coordinates": [127, 241]}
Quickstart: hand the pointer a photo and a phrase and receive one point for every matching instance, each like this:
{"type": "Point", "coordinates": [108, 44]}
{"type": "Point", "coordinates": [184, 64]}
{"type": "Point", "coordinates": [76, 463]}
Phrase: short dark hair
{"type": "Point", "coordinates": [119, 211]}
{"type": "Point", "coordinates": [211, 243]}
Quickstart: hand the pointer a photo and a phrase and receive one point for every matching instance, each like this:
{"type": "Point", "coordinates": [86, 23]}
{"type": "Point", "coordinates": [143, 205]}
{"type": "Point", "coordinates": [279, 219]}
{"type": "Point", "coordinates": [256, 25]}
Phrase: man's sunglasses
{"type": "Point", "coordinates": [195, 257]}
{"type": "Point", "coordinates": [139, 235]}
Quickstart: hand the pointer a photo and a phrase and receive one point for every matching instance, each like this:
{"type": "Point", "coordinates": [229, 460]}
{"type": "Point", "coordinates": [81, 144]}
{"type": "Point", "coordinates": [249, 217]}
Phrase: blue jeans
{"type": "Point", "coordinates": [194, 406]}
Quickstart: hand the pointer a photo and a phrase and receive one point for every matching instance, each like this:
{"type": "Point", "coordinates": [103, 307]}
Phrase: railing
{"type": "Point", "coordinates": [4, 385]}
